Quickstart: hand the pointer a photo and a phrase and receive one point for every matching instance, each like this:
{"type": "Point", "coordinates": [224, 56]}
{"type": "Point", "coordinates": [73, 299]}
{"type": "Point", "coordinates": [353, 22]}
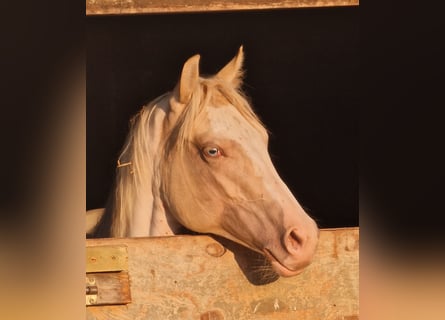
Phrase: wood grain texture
{"type": "Point", "coordinates": [195, 277]}
{"type": "Point", "coordinates": [116, 7]}
{"type": "Point", "coordinates": [113, 287]}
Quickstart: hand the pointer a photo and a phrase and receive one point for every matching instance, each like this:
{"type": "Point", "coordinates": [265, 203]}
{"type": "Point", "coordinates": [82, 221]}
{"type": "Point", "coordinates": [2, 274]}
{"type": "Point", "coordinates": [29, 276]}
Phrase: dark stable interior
{"type": "Point", "coordinates": [301, 75]}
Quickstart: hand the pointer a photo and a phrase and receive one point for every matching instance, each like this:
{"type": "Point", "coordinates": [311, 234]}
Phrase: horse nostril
{"type": "Point", "coordinates": [293, 241]}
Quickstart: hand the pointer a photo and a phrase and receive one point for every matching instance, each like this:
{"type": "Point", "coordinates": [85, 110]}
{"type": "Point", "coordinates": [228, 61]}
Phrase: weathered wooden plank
{"type": "Point", "coordinates": [113, 7]}
{"type": "Point", "coordinates": [110, 288]}
{"type": "Point", "coordinates": [194, 277]}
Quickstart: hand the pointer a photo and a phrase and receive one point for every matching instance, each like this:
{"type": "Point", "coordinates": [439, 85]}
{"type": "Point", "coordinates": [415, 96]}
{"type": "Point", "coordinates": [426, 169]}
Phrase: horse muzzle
{"type": "Point", "coordinates": [295, 252]}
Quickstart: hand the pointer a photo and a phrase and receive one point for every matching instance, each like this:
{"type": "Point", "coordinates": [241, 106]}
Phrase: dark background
{"type": "Point", "coordinates": [301, 74]}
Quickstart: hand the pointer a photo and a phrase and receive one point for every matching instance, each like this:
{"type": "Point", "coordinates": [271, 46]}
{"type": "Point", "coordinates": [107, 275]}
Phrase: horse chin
{"type": "Point", "coordinates": [280, 268]}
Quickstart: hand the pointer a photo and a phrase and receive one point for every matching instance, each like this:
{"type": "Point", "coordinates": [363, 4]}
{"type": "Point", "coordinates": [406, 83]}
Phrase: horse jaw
{"type": "Point", "coordinates": [162, 222]}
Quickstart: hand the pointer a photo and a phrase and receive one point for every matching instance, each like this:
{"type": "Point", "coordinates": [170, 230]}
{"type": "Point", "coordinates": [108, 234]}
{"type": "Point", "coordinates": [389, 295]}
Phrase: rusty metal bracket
{"type": "Point", "coordinates": [91, 291]}
{"type": "Point", "coordinates": [106, 258]}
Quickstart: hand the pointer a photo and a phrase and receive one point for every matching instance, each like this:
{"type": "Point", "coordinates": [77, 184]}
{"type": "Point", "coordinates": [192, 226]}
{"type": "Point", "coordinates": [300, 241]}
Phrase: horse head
{"type": "Point", "coordinates": [218, 177]}
{"type": "Point", "coordinates": [199, 159]}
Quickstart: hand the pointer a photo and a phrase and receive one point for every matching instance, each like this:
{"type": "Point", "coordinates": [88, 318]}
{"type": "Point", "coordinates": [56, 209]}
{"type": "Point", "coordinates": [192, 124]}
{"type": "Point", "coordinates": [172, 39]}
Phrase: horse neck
{"type": "Point", "coordinates": [138, 208]}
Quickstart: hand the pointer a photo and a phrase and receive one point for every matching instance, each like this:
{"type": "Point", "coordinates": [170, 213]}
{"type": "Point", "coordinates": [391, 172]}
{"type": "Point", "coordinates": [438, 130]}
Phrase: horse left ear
{"type": "Point", "coordinates": [232, 72]}
{"type": "Point", "coordinates": [189, 79]}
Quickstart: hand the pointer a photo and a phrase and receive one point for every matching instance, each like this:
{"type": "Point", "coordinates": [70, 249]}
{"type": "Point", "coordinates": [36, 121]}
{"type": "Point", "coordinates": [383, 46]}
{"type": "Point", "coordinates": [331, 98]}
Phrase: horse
{"type": "Point", "coordinates": [197, 158]}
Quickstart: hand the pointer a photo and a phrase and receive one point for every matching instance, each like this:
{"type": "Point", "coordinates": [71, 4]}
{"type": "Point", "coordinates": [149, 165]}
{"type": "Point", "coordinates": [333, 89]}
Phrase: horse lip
{"type": "Point", "coordinates": [279, 267]}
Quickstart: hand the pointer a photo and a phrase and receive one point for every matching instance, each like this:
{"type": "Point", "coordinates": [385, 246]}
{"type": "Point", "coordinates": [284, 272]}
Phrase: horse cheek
{"type": "Point", "coordinates": [189, 195]}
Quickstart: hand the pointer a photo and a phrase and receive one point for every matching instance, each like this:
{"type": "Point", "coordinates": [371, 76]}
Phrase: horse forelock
{"type": "Point", "coordinates": [210, 92]}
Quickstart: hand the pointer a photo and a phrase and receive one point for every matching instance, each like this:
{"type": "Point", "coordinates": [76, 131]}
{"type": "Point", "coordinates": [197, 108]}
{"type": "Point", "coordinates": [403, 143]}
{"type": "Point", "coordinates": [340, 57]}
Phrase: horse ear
{"type": "Point", "coordinates": [232, 72]}
{"type": "Point", "coordinates": [189, 79]}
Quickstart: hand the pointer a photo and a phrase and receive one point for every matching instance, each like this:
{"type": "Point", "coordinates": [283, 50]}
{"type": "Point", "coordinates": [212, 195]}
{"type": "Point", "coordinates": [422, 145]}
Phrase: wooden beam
{"type": "Point", "coordinates": [118, 7]}
{"type": "Point", "coordinates": [202, 277]}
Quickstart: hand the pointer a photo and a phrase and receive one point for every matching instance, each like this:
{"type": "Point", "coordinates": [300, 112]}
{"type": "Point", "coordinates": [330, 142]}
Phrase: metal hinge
{"type": "Point", "coordinates": [91, 291]}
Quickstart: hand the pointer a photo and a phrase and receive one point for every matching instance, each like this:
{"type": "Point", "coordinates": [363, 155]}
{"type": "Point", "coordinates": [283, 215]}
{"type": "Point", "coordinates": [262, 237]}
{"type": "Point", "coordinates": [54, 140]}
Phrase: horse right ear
{"type": "Point", "coordinates": [232, 72]}
{"type": "Point", "coordinates": [189, 79]}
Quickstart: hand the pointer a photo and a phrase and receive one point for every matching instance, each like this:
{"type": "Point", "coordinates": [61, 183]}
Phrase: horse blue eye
{"type": "Point", "coordinates": [212, 152]}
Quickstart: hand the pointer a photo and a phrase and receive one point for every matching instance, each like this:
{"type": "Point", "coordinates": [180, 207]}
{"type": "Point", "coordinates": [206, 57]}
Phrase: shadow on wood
{"type": "Point", "coordinates": [254, 265]}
